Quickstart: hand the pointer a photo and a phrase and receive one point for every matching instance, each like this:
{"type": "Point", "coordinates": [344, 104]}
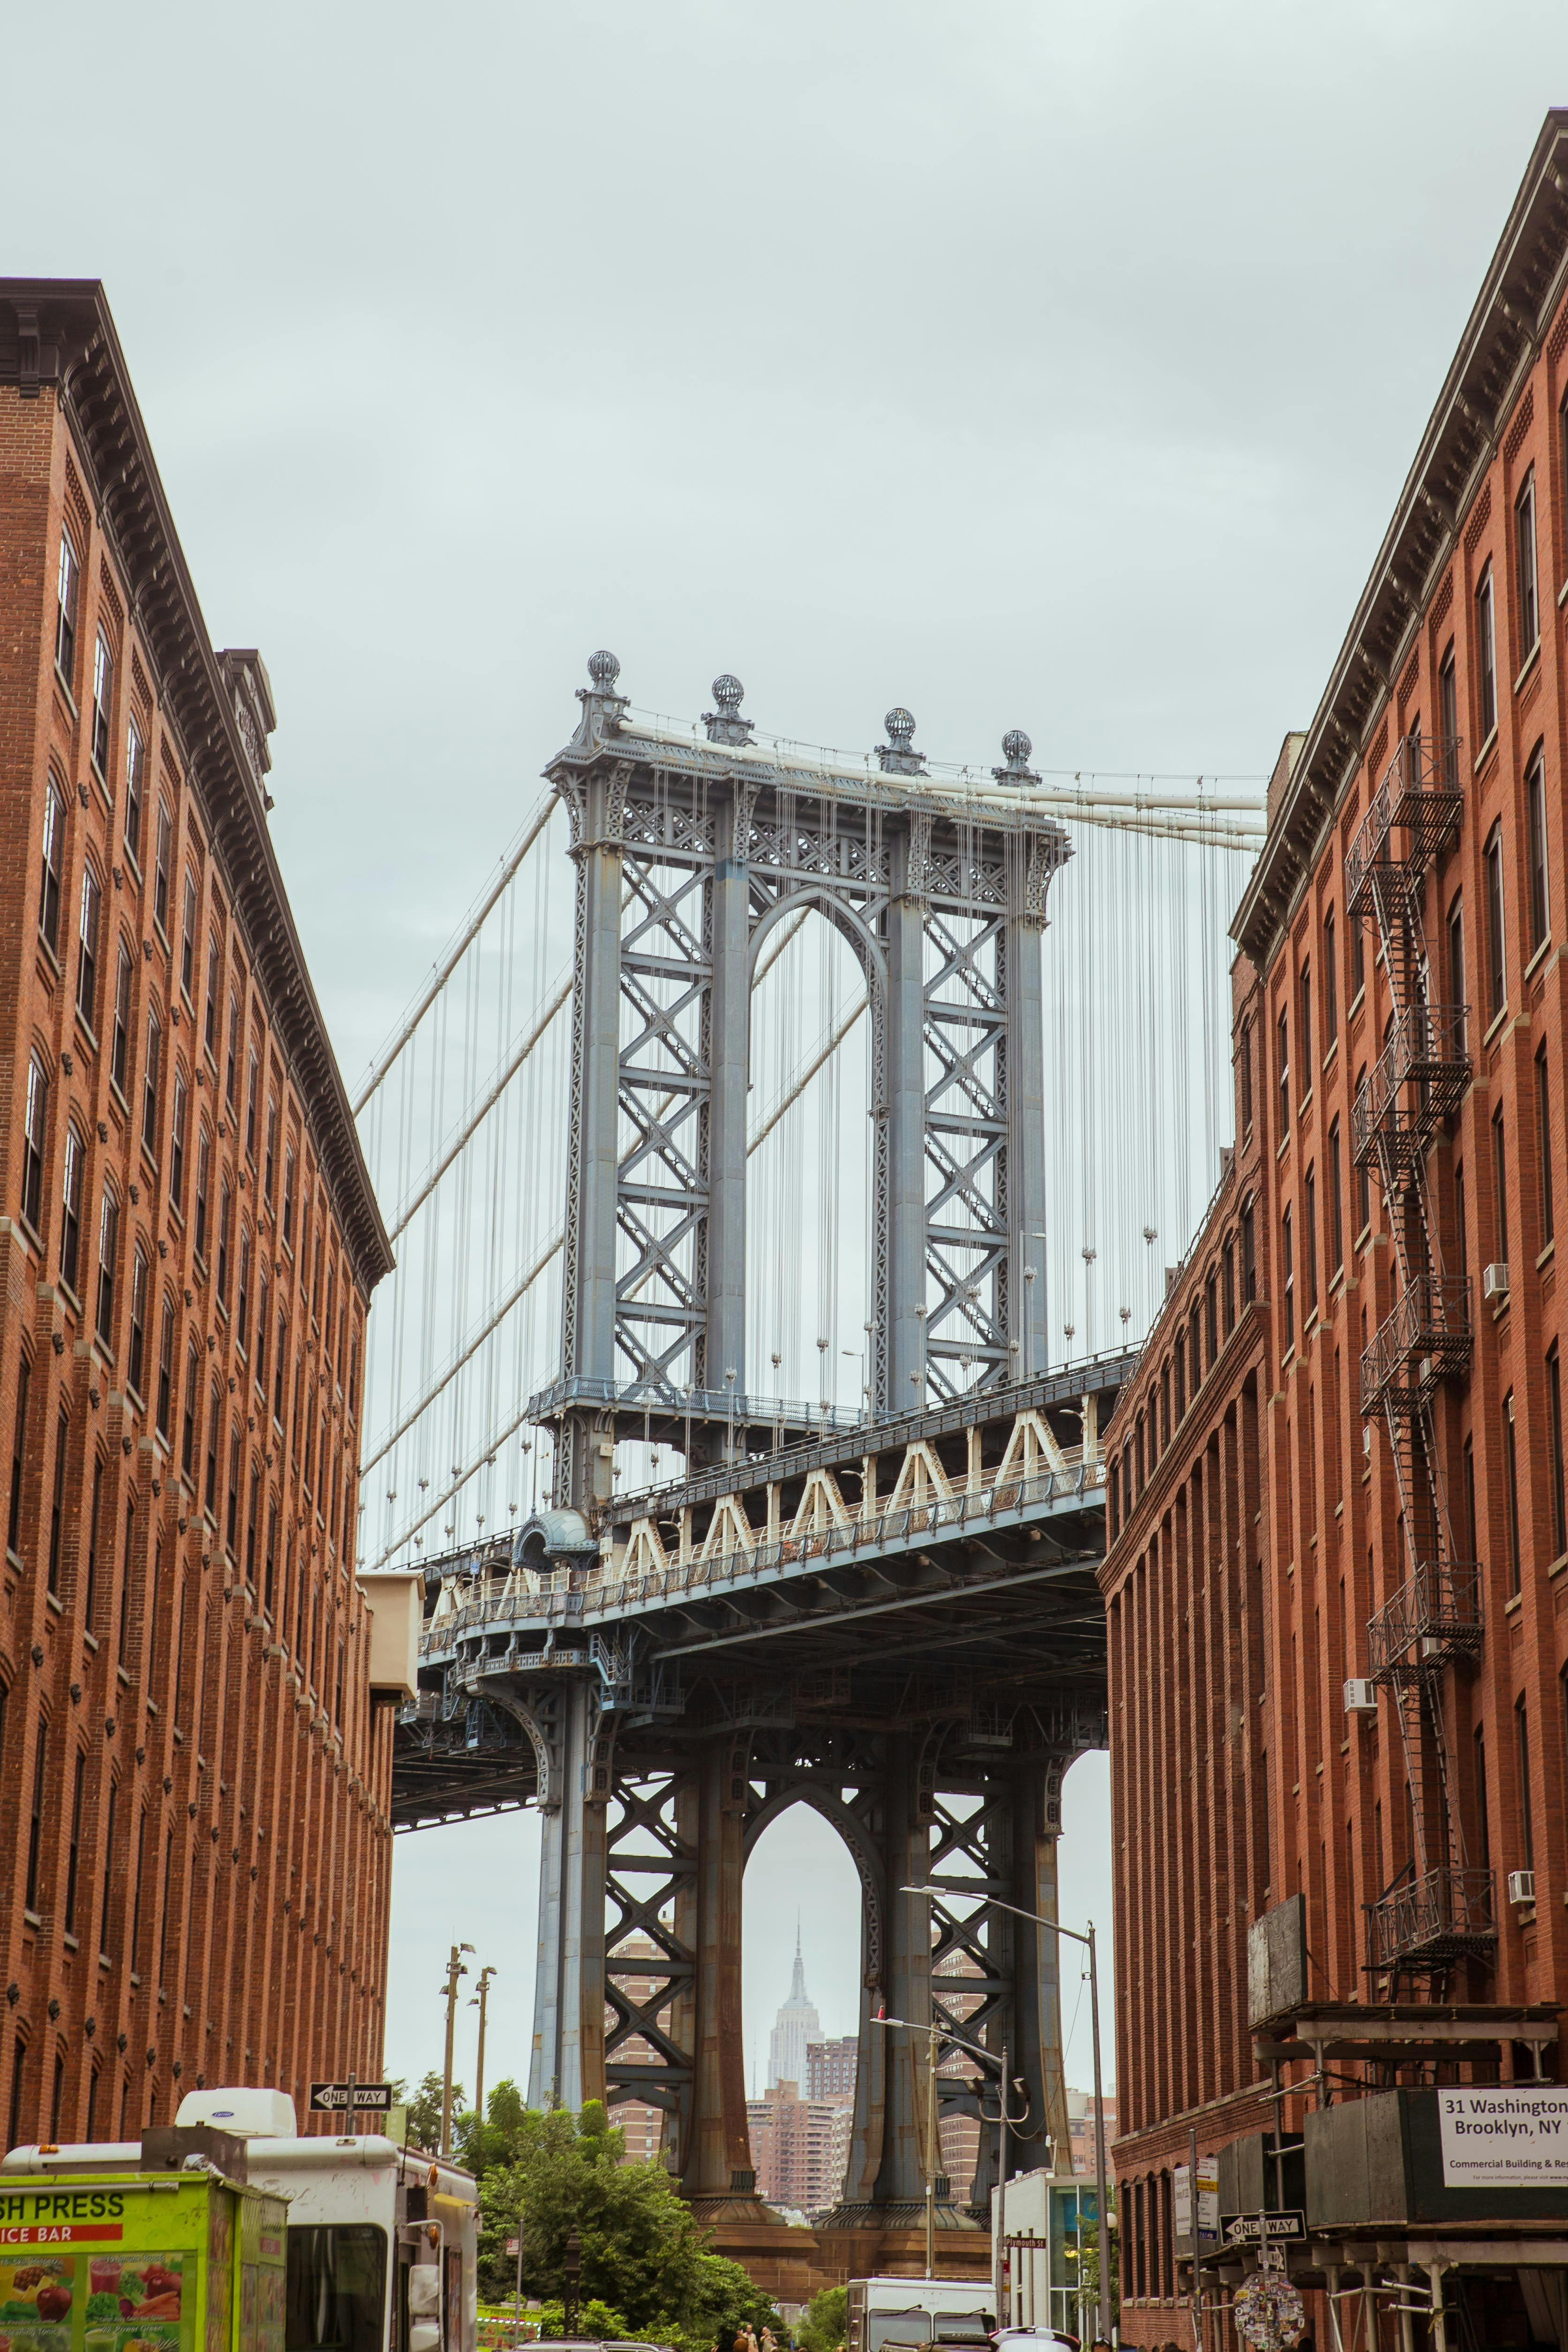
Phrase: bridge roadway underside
{"type": "Point", "coordinates": [921, 1670]}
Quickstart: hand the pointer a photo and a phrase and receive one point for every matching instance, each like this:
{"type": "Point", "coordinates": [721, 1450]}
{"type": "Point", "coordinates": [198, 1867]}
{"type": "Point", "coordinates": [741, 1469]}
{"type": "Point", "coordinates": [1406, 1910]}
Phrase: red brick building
{"type": "Point", "coordinates": [194, 1769]}
{"type": "Point", "coordinates": [1337, 1576]}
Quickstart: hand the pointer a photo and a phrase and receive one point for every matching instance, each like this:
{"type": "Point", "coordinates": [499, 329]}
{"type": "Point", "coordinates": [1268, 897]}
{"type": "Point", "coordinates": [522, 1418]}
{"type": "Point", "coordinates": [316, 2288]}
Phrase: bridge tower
{"type": "Point", "coordinates": [656, 1777]}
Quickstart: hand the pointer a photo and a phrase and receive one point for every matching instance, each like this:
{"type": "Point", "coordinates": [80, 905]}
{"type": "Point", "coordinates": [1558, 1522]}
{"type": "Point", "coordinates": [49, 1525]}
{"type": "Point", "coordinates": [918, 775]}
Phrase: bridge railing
{"type": "Point", "coordinates": [608, 1586]}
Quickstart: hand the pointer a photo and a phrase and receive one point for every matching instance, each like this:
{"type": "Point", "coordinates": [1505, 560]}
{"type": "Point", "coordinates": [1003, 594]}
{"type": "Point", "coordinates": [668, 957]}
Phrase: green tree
{"type": "Point", "coordinates": [826, 2322]}
{"type": "Point", "coordinates": [425, 2109]}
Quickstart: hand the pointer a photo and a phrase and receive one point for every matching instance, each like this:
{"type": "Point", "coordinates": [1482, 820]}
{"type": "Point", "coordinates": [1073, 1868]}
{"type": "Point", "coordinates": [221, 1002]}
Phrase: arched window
{"type": "Point", "coordinates": [188, 936]}
{"type": "Point", "coordinates": [188, 1423]}
{"type": "Point", "coordinates": [214, 1417]}
{"type": "Point", "coordinates": [87, 950]}
{"type": "Point", "coordinates": [49, 880]}
{"type": "Point", "coordinates": [224, 1208]}
{"type": "Point", "coordinates": [137, 1343]}
{"type": "Point", "coordinates": [68, 587]}
{"type": "Point", "coordinates": [231, 1521]}
{"type": "Point", "coordinates": [108, 1253]}
{"type": "Point", "coordinates": [165, 1365]}
{"type": "Point", "coordinates": [204, 1184]}
{"type": "Point", "coordinates": [135, 784]}
{"type": "Point", "coordinates": [209, 1015]}
{"type": "Point", "coordinates": [177, 1141]}
{"type": "Point", "coordinates": [242, 1291]}
{"type": "Point", "coordinates": [230, 1071]}
{"type": "Point", "coordinates": [150, 1083]}
{"type": "Point", "coordinates": [161, 868]}
{"type": "Point", "coordinates": [102, 703]}
{"type": "Point", "coordinates": [34, 1130]}
{"type": "Point", "coordinates": [70, 1202]}
{"type": "Point", "coordinates": [119, 1038]}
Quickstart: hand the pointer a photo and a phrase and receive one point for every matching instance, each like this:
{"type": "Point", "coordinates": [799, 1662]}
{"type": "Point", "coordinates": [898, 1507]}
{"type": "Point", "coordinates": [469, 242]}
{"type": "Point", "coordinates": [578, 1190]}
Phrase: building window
{"type": "Point", "coordinates": [1288, 1277]}
{"type": "Point", "coordinates": [108, 1251]}
{"type": "Point", "coordinates": [1486, 655]}
{"type": "Point", "coordinates": [1448, 720]}
{"type": "Point", "coordinates": [214, 1412]}
{"type": "Point", "coordinates": [1456, 969]}
{"type": "Point", "coordinates": [1336, 1203]}
{"type": "Point", "coordinates": [135, 778]}
{"type": "Point", "coordinates": [102, 703]}
{"type": "Point", "coordinates": [289, 1192]}
{"type": "Point", "coordinates": [120, 1036]}
{"type": "Point", "coordinates": [177, 1143]}
{"type": "Point", "coordinates": [161, 868]}
{"type": "Point", "coordinates": [224, 1209]}
{"type": "Point", "coordinates": [230, 1071]}
{"type": "Point", "coordinates": [209, 1014]}
{"type": "Point", "coordinates": [67, 588]}
{"type": "Point", "coordinates": [263, 1326]}
{"type": "Point", "coordinates": [1496, 968]}
{"type": "Point", "coordinates": [33, 1132]}
{"type": "Point", "coordinates": [1283, 1069]}
{"type": "Point", "coordinates": [35, 1815]}
{"type": "Point", "coordinates": [1555, 1443]}
{"type": "Point", "coordinates": [252, 1513]}
{"type": "Point", "coordinates": [1358, 960]}
{"type": "Point", "coordinates": [90, 1584]}
{"type": "Point", "coordinates": [204, 1186]}
{"type": "Point", "coordinates": [58, 1505]}
{"type": "Point", "coordinates": [150, 1085]}
{"type": "Point", "coordinates": [49, 881]}
{"type": "Point", "coordinates": [1248, 1254]}
{"type": "Point", "coordinates": [1330, 984]}
{"type": "Point", "coordinates": [136, 1347]}
{"type": "Point", "coordinates": [242, 1290]}
{"type": "Point", "coordinates": [269, 1165]}
{"type": "Point", "coordinates": [1525, 570]}
{"type": "Point", "coordinates": [1304, 1021]}
{"type": "Point", "coordinates": [1309, 1245]}
{"type": "Point", "coordinates": [110, 1858]}
{"type": "Point", "coordinates": [188, 1419]}
{"type": "Point", "coordinates": [87, 949]}
{"type": "Point", "coordinates": [1535, 812]}
{"type": "Point", "coordinates": [1363, 1175]}
{"type": "Point", "coordinates": [1543, 1146]}
{"type": "Point", "coordinates": [73, 1853]}
{"type": "Point", "coordinates": [1461, 1227]}
{"type": "Point", "coordinates": [231, 1521]}
{"type": "Point", "coordinates": [18, 1454]}
{"type": "Point", "coordinates": [1526, 1825]}
{"type": "Point", "coordinates": [280, 1370]}
{"type": "Point", "coordinates": [166, 1367]}
{"type": "Point", "coordinates": [1499, 1183]}
{"type": "Point", "coordinates": [70, 1203]}
{"type": "Point", "coordinates": [188, 936]}
{"type": "Point", "coordinates": [1511, 1492]}
{"type": "Point", "coordinates": [253, 1082]}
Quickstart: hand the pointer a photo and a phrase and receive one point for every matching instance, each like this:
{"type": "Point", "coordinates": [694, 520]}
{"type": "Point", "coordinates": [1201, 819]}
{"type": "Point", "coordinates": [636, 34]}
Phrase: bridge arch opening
{"type": "Point", "coordinates": [801, 1882]}
{"type": "Point", "coordinates": [810, 1171]}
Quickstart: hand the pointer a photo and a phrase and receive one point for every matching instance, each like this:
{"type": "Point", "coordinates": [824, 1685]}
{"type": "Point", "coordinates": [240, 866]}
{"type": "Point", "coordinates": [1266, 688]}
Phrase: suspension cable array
{"type": "Point", "coordinates": [1430, 1918]}
{"type": "Point", "coordinates": [462, 1114]}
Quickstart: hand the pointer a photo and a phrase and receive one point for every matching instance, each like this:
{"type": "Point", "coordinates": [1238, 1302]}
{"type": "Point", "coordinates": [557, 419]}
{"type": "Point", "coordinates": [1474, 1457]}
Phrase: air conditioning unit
{"type": "Point", "coordinates": [1431, 1645]}
{"type": "Point", "coordinates": [1366, 1438]}
{"type": "Point", "coordinates": [1521, 1886]}
{"type": "Point", "coordinates": [1494, 1282]}
{"type": "Point", "coordinates": [1424, 1371]}
{"type": "Point", "coordinates": [1361, 1695]}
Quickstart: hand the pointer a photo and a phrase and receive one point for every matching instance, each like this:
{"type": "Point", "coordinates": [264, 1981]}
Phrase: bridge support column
{"type": "Point", "coordinates": [716, 2161]}
{"type": "Point", "coordinates": [588, 1290]}
{"type": "Point", "coordinates": [567, 2064]}
{"type": "Point", "coordinates": [1026, 1139]}
{"type": "Point", "coordinates": [729, 1057]}
{"type": "Point", "coordinates": [1037, 1960]}
{"type": "Point", "coordinates": [906, 1113]}
{"type": "Point", "coordinates": [901, 2177]}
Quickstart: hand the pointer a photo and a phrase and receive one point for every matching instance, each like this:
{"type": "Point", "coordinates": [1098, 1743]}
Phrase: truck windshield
{"type": "Point", "coordinates": [337, 2288]}
{"type": "Point", "coordinates": [889, 2327]}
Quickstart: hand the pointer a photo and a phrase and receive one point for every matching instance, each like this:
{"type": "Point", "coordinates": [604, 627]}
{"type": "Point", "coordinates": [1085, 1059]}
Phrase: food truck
{"type": "Point", "coordinates": [171, 2260]}
{"type": "Point", "coordinates": [377, 2245]}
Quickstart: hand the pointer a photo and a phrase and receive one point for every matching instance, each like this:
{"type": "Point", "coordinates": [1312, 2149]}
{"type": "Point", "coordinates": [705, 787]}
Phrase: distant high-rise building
{"type": "Point", "coordinates": [830, 2067]}
{"type": "Point", "coordinates": [796, 2028]}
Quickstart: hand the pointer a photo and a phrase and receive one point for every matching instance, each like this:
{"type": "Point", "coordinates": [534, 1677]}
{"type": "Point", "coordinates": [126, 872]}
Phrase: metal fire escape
{"type": "Point", "coordinates": [1439, 1910]}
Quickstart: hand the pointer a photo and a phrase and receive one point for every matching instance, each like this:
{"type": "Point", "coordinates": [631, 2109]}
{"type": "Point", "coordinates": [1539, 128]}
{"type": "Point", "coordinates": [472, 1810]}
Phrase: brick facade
{"type": "Point", "coordinates": [1255, 1515]}
{"type": "Point", "coordinates": [195, 1776]}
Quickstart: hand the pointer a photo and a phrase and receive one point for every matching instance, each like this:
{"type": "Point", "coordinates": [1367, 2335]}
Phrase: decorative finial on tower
{"type": "Point", "coordinates": [1016, 749]}
{"type": "Point", "coordinates": [896, 756]}
{"type": "Point", "coordinates": [603, 669]}
{"type": "Point", "coordinates": [602, 706]}
{"type": "Point", "coordinates": [725, 725]}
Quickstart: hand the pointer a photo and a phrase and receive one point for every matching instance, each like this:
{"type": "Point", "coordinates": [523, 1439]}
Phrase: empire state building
{"type": "Point", "coordinates": [798, 2024]}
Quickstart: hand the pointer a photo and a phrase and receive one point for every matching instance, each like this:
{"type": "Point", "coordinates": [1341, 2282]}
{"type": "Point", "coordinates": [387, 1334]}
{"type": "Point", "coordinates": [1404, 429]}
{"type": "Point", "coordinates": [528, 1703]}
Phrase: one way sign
{"type": "Point", "coordinates": [369, 2098]}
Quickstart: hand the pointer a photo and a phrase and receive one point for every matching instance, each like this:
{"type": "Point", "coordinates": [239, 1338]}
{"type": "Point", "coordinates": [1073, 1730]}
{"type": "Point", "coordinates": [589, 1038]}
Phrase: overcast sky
{"type": "Point", "coordinates": [1030, 364]}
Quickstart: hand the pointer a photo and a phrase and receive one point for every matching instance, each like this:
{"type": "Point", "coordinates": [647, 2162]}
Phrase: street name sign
{"type": "Point", "coordinates": [369, 2098]}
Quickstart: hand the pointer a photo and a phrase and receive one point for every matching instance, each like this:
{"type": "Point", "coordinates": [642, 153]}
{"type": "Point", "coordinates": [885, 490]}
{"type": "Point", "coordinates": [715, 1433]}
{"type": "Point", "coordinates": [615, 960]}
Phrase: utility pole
{"type": "Point", "coordinates": [932, 2153]}
{"type": "Point", "coordinates": [480, 2002]}
{"type": "Point", "coordinates": [455, 1969]}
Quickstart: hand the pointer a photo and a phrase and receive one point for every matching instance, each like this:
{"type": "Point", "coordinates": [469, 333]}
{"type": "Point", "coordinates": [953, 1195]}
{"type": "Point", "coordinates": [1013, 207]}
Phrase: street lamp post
{"type": "Point", "coordinates": [934, 2034]}
{"type": "Point", "coordinates": [455, 1969]}
{"type": "Point", "coordinates": [1101, 2207]}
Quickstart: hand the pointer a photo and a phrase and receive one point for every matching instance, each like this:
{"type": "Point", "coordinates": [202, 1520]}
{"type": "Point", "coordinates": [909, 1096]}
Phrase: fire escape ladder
{"type": "Point", "coordinates": [1441, 1911]}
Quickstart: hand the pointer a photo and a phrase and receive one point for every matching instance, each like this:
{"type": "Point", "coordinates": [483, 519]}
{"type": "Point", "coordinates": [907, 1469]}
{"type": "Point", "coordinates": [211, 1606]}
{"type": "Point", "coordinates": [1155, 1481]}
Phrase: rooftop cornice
{"type": "Point", "coordinates": [59, 331]}
{"type": "Point", "coordinates": [1519, 298]}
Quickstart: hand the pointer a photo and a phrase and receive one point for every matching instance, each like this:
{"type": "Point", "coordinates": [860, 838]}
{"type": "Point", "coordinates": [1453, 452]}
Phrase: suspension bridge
{"type": "Point", "coordinates": [773, 1243]}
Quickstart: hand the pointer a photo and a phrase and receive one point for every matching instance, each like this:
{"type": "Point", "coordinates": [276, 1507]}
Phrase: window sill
{"type": "Point", "coordinates": [85, 1031]}
{"type": "Point", "coordinates": [134, 863]}
{"type": "Point", "coordinates": [69, 1295]}
{"type": "Point", "coordinates": [1514, 1603]}
{"type": "Point", "coordinates": [162, 937]}
{"type": "Point", "coordinates": [1549, 1253]}
{"type": "Point", "coordinates": [1544, 949]}
{"type": "Point", "coordinates": [135, 1397]}
{"type": "Point", "coordinates": [90, 1639]}
{"type": "Point", "coordinates": [1488, 748]}
{"type": "Point", "coordinates": [72, 1943]}
{"type": "Point", "coordinates": [1531, 660]}
{"type": "Point", "coordinates": [116, 1090]}
{"type": "Point", "coordinates": [52, 1600]}
{"type": "Point", "coordinates": [63, 682]}
{"type": "Point", "coordinates": [1330, 1055]}
{"type": "Point", "coordinates": [1494, 1024]}
{"type": "Point", "coordinates": [52, 959]}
